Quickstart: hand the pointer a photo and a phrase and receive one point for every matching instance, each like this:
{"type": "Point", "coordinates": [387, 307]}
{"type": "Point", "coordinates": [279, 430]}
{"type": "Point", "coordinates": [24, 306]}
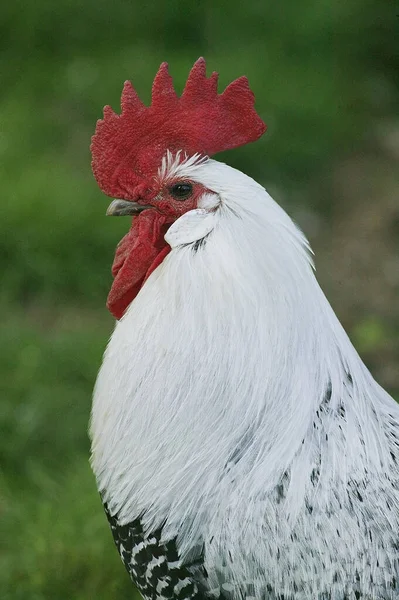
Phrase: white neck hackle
{"type": "Point", "coordinates": [230, 379]}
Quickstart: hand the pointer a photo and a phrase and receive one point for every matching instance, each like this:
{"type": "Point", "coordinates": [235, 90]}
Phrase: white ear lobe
{"type": "Point", "coordinates": [190, 227]}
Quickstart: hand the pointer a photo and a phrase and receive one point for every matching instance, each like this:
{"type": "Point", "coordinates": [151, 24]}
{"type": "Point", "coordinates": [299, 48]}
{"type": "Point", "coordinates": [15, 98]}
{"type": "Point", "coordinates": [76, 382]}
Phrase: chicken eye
{"type": "Point", "coordinates": [181, 191]}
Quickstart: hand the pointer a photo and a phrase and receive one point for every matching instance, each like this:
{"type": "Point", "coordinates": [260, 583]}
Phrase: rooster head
{"type": "Point", "coordinates": [136, 158]}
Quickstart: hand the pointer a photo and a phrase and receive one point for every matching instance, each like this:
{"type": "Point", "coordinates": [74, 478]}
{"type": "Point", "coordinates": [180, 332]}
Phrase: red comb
{"type": "Point", "coordinates": [127, 149]}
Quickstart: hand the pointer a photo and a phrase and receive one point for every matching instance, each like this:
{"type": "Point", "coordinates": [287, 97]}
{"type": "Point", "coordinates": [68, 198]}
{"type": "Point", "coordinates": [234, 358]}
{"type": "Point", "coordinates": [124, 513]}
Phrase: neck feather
{"type": "Point", "coordinates": [230, 376]}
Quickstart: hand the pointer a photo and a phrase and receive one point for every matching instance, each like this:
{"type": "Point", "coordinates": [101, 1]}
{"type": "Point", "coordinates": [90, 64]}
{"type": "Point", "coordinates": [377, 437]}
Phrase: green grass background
{"type": "Point", "coordinates": [323, 73]}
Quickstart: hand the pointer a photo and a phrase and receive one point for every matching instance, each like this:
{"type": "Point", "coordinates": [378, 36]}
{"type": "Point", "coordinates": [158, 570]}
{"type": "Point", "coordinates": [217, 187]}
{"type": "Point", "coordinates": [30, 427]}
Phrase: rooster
{"type": "Point", "coordinates": [241, 447]}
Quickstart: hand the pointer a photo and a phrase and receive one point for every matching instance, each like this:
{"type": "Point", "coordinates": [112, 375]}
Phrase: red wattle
{"type": "Point", "coordinates": [138, 254]}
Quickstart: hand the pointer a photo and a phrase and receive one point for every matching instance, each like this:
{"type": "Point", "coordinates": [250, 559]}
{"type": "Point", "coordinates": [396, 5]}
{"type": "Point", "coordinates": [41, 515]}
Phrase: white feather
{"type": "Point", "coordinates": [232, 406]}
{"type": "Point", "coordinates": [192, 226]}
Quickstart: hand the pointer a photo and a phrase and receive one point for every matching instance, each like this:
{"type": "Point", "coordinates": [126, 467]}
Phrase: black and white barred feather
{"type": "Point", "coordinates": [153, 566]}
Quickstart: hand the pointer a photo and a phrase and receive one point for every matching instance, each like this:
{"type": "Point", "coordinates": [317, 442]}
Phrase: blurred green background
{"type": "Point", "coordinates": [324, 76]}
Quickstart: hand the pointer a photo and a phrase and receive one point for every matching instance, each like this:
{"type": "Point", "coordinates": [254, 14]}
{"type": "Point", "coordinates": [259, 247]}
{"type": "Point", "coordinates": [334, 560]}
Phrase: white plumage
{"type": "Point", "coordinates": [232, 409]}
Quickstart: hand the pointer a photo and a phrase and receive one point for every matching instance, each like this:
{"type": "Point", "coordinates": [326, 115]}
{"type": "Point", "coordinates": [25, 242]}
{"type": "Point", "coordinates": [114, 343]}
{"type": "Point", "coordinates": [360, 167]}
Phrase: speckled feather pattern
{"type": "Point", "coordinates": [154, 567]}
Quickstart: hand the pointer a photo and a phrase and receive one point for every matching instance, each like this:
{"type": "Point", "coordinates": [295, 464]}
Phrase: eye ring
{"type": "Point", "coordinates": [181, 190]}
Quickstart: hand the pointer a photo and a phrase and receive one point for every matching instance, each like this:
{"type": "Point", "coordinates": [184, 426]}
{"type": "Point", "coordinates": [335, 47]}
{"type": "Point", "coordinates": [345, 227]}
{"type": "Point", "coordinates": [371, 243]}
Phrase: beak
{"type": "Point", "coordinates": [121, 208]}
